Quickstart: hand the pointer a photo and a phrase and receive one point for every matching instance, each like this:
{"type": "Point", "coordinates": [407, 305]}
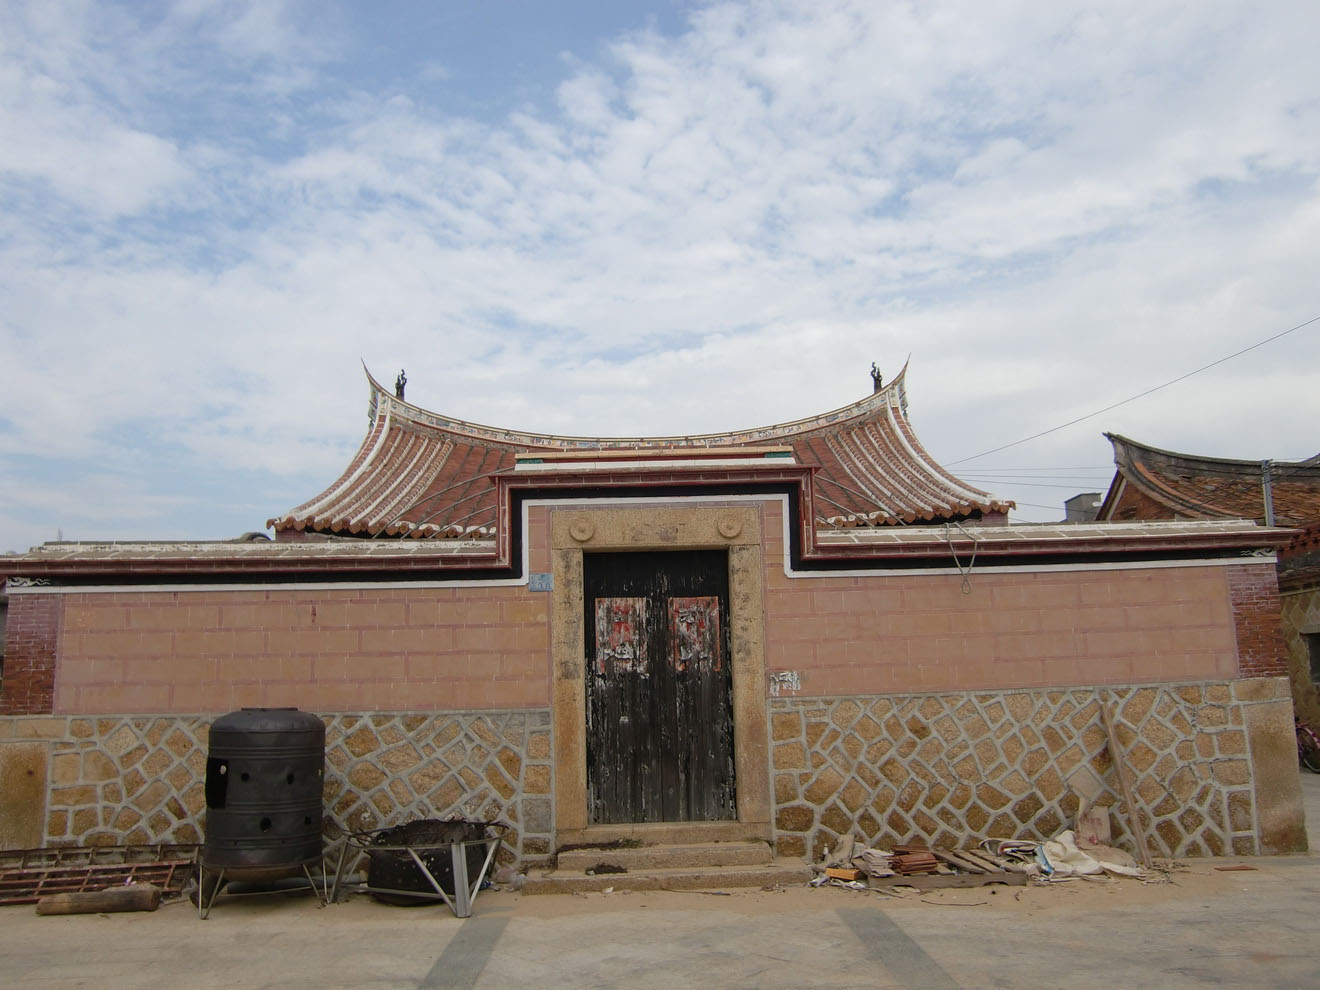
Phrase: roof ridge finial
{"type": "Point", "coordinates": [876, 382]}
{"type": "Point", "coordinates": [400, 384]}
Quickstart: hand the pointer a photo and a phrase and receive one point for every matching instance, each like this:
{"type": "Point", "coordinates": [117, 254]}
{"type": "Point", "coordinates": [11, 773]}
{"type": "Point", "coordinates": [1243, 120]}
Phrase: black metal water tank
{"type": "Point", "coordinates": [264, 771]}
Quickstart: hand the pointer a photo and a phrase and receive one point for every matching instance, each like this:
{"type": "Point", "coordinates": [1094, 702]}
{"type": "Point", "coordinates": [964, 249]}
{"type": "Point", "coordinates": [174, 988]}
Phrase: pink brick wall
{"type": "Point", "coordinates": [325, 651]}
{"type": "Point", "coordinates": [878, 635]}
{"type": "Point", "coordinates": [481, 648]}
{"type": "Point", "coordinates": [538, 539]}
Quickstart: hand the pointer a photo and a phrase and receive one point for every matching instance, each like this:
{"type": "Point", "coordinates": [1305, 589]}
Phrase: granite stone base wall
{"type": "Point", "coordinates": [493, 766]}
{"type": "Point", "coordinates": [954, 768]}
{"type": "Point", "coordinates": [141, 779]}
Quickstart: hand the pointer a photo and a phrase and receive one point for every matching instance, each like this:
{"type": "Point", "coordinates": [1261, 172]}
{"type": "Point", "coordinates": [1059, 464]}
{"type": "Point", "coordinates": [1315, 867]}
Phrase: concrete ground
{"type": "Point", "coordinates": [1205, 927]}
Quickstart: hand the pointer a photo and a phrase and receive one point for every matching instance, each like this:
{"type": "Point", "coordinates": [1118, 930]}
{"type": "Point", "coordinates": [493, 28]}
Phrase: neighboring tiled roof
{"type": "Point", "coordinates": [1299, 561]}
{"type": "Point", "coordinates": [1151, 483]}
{"type": "Point", "coordinates": [418, 473]}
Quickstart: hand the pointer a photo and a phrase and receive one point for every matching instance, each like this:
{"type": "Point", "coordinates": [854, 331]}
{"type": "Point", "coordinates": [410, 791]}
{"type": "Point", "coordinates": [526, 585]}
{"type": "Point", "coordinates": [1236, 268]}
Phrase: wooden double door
{"type": "Point", "coordinates": [659, 687]}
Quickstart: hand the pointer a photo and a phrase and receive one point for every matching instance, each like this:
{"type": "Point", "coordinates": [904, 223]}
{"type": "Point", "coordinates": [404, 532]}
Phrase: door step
{"type": "Point", "coordinates": [694, 866]}
{"type": "Point", "coordinates": [791, 873]}
{"type": "Point", "coordinates": [702, 855]}
{"type": "Point", "coordinates": [665, 833]}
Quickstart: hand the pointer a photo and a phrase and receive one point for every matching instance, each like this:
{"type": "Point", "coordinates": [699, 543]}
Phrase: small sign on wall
{"type": "Point", "coordinates": [1093, 827]}
{"type": "Point", "coordinates": [540, 582]}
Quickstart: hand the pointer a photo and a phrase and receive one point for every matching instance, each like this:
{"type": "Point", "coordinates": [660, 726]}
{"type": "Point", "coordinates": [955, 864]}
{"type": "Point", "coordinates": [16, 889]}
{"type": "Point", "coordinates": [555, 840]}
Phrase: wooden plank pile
{"type": "Point", "coordinates": [916, 865]}
{"type": "Point", "coordinates": [912, 859]}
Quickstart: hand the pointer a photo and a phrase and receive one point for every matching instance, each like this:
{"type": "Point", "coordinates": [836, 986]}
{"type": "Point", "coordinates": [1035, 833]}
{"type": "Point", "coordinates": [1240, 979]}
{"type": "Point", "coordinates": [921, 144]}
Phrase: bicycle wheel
{"type": "Point", "coordinates": [1308, 747]}
{"type": "Point", "coordinates": [1310, 758]}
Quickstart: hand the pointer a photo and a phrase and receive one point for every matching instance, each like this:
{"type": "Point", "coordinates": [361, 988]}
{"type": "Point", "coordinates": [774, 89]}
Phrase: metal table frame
{"type": "Point", "coordinates": [466, 888]}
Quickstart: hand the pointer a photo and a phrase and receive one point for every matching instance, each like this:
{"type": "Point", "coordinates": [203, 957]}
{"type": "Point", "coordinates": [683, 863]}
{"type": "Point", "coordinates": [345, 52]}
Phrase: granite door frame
{"type": "Point", "coordinates": [574, 531]}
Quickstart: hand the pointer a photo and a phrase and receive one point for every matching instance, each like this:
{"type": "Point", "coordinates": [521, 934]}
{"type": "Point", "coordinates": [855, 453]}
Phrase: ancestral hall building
{"type": "Point", "coordinates": [1150, 483]}
{"type": "Point", "coordinates": [792, 632]}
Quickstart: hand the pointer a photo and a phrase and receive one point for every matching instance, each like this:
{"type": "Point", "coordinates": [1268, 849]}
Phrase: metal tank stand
{"type": "Point", "coordinates": [466, 887]}
{"type": "Point", "coordinates": [206, 896]}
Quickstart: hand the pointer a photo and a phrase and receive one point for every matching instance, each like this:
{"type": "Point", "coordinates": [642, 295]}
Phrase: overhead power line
{"type": "Point", "coordinates": [1037, 505]}
{"type": "Point", "coordinates": [1047, 470]}
{"type": "Point", "coordinates": [1042, 484]}
{"type": "Point", "coordinates": [1139, 395]}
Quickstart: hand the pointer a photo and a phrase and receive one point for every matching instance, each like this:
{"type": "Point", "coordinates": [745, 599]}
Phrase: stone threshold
{"type": "Point", "coordinates": [633, 859]}
{"type": "Point", "coordinates": [664, 833]}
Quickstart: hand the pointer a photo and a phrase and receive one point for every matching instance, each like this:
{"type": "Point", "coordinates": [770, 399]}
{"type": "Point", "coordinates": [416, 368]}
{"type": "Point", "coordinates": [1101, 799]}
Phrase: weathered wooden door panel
{"type": "Point", "coordinates": [659, 705]}
{"type": "Point", "coordinates": [622, 662]}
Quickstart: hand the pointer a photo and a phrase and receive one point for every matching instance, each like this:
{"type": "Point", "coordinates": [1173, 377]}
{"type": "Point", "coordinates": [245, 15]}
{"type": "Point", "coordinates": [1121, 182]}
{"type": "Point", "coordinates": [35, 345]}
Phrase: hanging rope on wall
{"type": "Point", "coordinates": [964, 571]}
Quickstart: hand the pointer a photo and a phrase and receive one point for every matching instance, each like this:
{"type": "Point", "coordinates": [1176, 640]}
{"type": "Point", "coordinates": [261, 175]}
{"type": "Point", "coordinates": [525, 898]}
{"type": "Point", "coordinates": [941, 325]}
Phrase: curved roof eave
{"type": "Point", "coordinates": [419, 473]}
{"type": "Point", "coordinates": [405, 411]}
{"type": "Point", "coordinates": [1197, 486]}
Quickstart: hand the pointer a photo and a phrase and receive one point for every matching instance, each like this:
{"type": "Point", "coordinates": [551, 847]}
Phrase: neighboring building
{"type": "Point", "coordinates": [4, 614]}
{"type": "Point", "coordinates": [791, 632]}
{"type": "Point", "coordinates": [1082, 508]}
{"type": "Point", "coordinates": [1160, 484]}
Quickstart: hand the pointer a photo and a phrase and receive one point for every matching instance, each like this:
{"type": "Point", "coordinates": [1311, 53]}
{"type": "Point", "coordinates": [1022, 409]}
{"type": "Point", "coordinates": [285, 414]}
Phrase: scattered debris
{"type": "Point", "coordinates": [1061, 857]}
{"type": "Point", "coordinates": [1010, 862]}
{"type": "Point", "coordinates": [508, 878]}
{"type": "Point", "coordinates": [940, 881]}
{"type": "Point", "coordinates": [843, 854]}
{"type": "Point", "coordinates": [913, 859]}
{"type": "Point", "coordinates": [125, 897]}
{"type": "Point", "coordinates": [603, 846]}
{"type": "Point", "coordinates": [844, 873]}
{"type": "Point", "coordinates": [926, 900]}
{"type": "Point", "coordinates": [27, 875]}
{"type": "Point", "coordinates": [601, 868]}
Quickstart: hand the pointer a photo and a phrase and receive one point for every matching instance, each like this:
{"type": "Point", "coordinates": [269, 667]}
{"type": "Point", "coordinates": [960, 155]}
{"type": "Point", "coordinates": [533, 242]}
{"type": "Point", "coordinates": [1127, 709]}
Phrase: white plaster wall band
{"type": "Point", "coordinates": [892, 572]}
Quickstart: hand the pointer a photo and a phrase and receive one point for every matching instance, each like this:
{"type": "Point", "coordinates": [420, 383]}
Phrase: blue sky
{"type": "Point", "coordinates": [631, 218]}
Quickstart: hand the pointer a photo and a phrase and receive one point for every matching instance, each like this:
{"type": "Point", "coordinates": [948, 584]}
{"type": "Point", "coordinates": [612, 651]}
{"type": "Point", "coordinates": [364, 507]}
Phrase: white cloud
{"type": "Point", "coordinates": [210, 217]}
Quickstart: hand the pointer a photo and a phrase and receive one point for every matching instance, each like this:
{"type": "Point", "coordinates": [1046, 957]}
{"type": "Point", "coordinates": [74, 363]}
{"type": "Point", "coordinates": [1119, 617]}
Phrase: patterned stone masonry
{"type": "Point", "coordinates": [953, 768]}
{"type": "Point", "coordinates": [493, 766]}
{"type": "Point", "coordinates": [142, 779]}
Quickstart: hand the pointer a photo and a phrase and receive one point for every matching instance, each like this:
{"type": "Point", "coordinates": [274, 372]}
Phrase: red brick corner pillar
{"type": "Point", "coordinates": [31, 632]}
{"type": "Point", "coordinates": [1253, 591]}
